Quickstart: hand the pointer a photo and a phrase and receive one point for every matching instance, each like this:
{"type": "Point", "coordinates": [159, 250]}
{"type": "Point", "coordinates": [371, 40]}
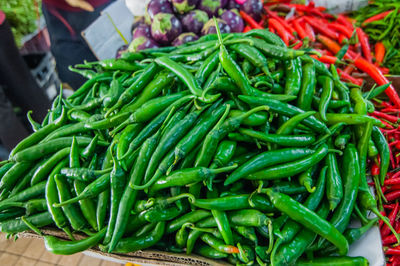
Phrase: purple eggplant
{"type": "Point", "coordinates": [184, 38]}
{"type": "Point", "coordinates": [121, 50]}
{"type": "Point", "coordinates": [211, 7]}
{"type": "Point", "coordinates": [165, 28]}
{"type": "Point", "coordinates": [184, 6]}
{"type": "Point", "coordinates": [233, 19]}
{"type": "Point", "coordinates": [142, 43]}
{"type": "Point", "coordinates": [253, 7]}
{"type": "Point", "coordinates": [141, 30]}
{"type": "Point", "coordinates": [157, 6]}
{"type": "Point", "coordinates": [209, 27]}
{"type": "Point", "coordinates": [194, 21]}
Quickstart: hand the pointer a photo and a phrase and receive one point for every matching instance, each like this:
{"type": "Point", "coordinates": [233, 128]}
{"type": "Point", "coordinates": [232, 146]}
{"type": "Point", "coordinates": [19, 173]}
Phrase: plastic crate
{"type": "Point", "coordinates": [43, 69]}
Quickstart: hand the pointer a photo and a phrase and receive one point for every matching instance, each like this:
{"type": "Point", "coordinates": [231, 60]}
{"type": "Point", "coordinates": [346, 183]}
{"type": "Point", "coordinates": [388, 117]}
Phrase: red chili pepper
{"type": "Point", "coordinates": [344, 21]}
{"type": "Point", "coordinates": [375, 169]}
{"type": "Point", "coordinates": [284, 23]}
{"type": "Point", "coordinates": [349, 69]}
{"type": "Point", "coordinates": [390, 110]}
{"type": "Point", "coordinates": [310, 32]}
{"type": "Point", "coordinates": [392, 181]}
{"type": "Point", "coordinates": [280, 30]}
{"type": "Point", "coordinates": [376, 17]}
{"type": "Point", "coordinates": [396, 175]}
{"type": "Point", "coordinates": [384, 70]}
{"type": "Point", "coordinates": [392, 195]}
{"type": "Point", "coordinates": [320, 27]}
{"type": "Point", "coordinates": [389, 240]}
{"type": "Point", "coordinates": [247, 28]}
{"type": "Point", "coordinates": [261, 23]}
{"type": "Point", "coordinates": [299, 29]}
{"type": "Point", "coordinates": [394, 143]}
{"type": "Point", "coordinates": [380, 221]}
{"type": "Point", "coordinates": [298, 45]}
{"type": "Point", "coordinates": [341, 28]}
{"type": "Point", "coordinates": [379, 78]}
{"type": "Point", "coordinates": [390, 118]}
{"type": "Point", "coordinates": [364, 41]}
{"type": "Point", "coordinates": [379, 52]}
{"type": "Point", "coordinates": [271, 29]}
{"type": "Point", "coordinates": [327, 59]}
{"type": "Point", "coordinates": [346, 76]}
{"type": "Point", "coordinates": [249, 20]}
{"type": "Point", "coordinates": [392, 216]}
{"type": "Point", "coordinates": [389, 206]}
{"type": "Point", "coordinates": [342, 39]}
{"type": "Point", "coordinates": [393, 188]}
{"type": "Point", "coordinates": [332, 46]}
{"type": "Point", "coordinates": [387, 125]}
{"type": "Point", "coordinates": [393, 251]}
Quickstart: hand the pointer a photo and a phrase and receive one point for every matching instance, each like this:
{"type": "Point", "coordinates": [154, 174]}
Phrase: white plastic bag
{"type": "Point", "coordinates": [341, 6]}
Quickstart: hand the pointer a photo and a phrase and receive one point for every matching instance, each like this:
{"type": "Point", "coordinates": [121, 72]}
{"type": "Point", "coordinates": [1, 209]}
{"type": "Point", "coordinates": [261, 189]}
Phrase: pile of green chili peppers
{"type": "Point", "coordinates": [233, 147]}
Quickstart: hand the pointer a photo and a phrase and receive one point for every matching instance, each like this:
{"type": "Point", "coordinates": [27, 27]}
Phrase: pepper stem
{"type": "Point", "coordinates": [223, 169]}
{"type": "Point", "coordinates": [270, 236]}
{"type": "Point", "coordinates": [181, 196]}
{"type": "Point", "coordinates": [31, 226]}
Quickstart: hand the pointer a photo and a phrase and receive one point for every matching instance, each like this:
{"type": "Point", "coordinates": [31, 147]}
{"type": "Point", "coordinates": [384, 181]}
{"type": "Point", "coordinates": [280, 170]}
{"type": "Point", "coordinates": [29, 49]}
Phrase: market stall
{"type": "Point", "coordinates": [224, 132]}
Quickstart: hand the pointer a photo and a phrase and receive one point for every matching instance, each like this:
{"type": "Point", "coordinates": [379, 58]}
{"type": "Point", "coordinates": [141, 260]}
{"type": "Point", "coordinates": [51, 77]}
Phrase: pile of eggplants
{"type": "Point", "coordinates": [233, 147]}
{"type": "Point", "coordinates": [175, 22]}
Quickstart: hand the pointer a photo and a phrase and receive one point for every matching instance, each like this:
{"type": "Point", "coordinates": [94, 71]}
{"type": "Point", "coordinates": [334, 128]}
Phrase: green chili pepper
{"type": "Point", "coordinates": [210, 252]}
{"type": "Point", "coordinates": [186, 176]}
{"type": "Point", "coordinates": [305, 179]}
{"type": "Point", "coordinates": [266, 159]}
{"type": "Point", "coordinates": [14, 226]}
{"type": "Point", "coordinates": [307, 89]}
{"type": "Point", "coordinates": [135, 88]}
{"type": "Point", "coordinates": [117, 184]}
{"type": "Point", "coordinates": [13, 174]}
{"type": "Point", "coordinates": [292, 168]}
{"type": "Point", "coordinates": [34, 125]}
{"type": "Point", "coordinates": [293, 76]}
{"type": "Point", "coordinates": [282, 140]}
{"type": "Point", "coordinates": [290, 252]}
{"type": "Point", "coordinates": [52, 197]}
{"type": "Point", "coordinates": [43, 170]}
{"type": "Point", "coordinates": [129, 196]}
{"type": "Point", "coordinates": [220, 130]}
{"type": "Point", "coordinates": [334, 188]}
{"type": "Point", "coordinates": [326, 95]}
{"type": "Point", "coordinates": [39, 135]}
{"type": "Point", "coordinates": [254, 56]}
{"type": "Point", "coordinates": [256, 119]}
{"type": "Point", "coordinates": [309, 219]}
{"type": "Point", "coordinates": [286, 110]}
{"type": "Point", "coordinates": [384, 152]}
{"type": "Point", "coordinates": [38, 151]}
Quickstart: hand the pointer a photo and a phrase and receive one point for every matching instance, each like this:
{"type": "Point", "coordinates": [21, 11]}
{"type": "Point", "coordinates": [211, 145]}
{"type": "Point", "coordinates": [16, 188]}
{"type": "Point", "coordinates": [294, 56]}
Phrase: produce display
{"type": "Point", "coordinates": [22, 16]}
{"type": "Point", "coordinates": [234, 147]}
{"type": "Point", "coordinates": [335, 37]}
{"type": "Point", "coordinates": [176, 22]}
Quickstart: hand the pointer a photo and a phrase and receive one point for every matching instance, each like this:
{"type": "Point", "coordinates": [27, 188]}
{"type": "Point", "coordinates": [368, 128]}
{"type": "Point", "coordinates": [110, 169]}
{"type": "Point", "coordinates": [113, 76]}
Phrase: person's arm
{"type": "Point", "coordinates": [80, 4]}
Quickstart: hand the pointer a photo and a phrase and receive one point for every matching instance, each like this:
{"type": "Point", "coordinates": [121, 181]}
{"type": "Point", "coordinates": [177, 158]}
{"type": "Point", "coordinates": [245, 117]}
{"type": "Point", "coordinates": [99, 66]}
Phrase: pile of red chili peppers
{"type": "Point", "coordinates": [335, 37]}
{"type": "Point", "coordinates": [391, 187]}
{"type": "Point", "coordinates": [348, 47]}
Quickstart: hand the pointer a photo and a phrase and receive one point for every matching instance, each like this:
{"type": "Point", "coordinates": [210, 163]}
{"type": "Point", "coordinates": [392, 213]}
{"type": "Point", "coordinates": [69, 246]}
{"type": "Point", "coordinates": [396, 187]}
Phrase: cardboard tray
{"type": "Point", "coordinates": [368, 246]}
{"type": "Point", "coordinates": [145, 257]}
